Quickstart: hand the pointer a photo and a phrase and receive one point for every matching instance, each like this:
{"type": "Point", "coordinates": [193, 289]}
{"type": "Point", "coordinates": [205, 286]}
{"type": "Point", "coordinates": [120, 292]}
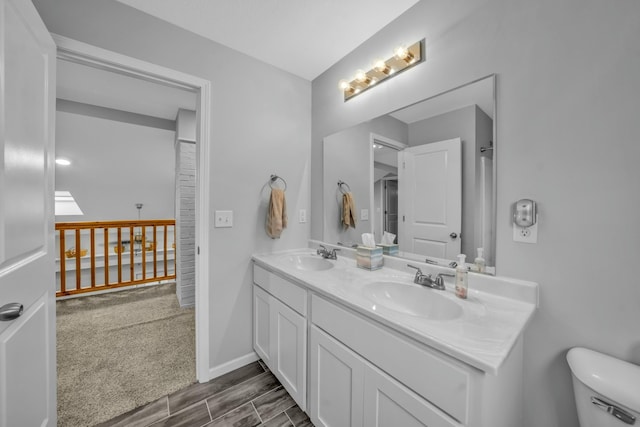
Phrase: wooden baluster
{"type": "Point", "coordinates": [78, 269]}
{"type": "Point", "coordinates": [131, 261]}
{"type": "Point", "coordinates": [119, 255]}
{"type": "Point", "coordinates": [144, 252]}
{"type": "Point", "coordinates": [155, 252]}
{"type": "Point", "coordinates": [93, 257]}
{"type": "Point", "coordinates": [175, 254]}
{"type": "Point", "coordinates": [106, 256]}
{"type": "Point", "coordinates": [63, 265]}
{"type": "Point", "coordinates": [165, 250]}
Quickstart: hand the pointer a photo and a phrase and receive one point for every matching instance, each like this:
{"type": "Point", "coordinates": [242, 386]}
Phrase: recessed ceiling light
{"type": "Point", "coordinates": [62, 162]}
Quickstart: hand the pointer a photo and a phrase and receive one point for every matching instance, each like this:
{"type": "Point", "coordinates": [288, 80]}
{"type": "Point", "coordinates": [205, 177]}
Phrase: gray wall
{"type": "Point", "coordinates": [114, 166]}
{"type": "Point", "coordinates": [567, 134]}
{"type": "Point", "coordinates": [347, 157]}
{"type": "Point", "coordinates": [260, 124]}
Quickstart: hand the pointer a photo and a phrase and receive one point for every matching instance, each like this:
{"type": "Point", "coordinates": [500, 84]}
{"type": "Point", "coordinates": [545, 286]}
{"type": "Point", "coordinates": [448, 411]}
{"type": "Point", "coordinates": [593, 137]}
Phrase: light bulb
{"type": "Point", "coordinates": [62, 162]}
{"type": "Point", "coordinates": [402, 53]}
{"type": "Point", "coordinates": [381, 66]}
{"type": "Point", "coordinates": [362, 77]}
{"type": "Point", "coordinates": [345, 86]}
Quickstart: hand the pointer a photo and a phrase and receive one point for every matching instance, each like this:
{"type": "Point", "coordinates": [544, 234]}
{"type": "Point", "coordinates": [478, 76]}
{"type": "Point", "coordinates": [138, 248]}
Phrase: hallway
{"type": "Point", "coordinates": [119, 350]}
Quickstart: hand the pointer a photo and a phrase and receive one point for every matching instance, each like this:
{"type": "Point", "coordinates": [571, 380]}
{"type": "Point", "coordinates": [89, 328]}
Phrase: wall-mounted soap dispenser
{"type": "Point", "coordinates": [525, 221]}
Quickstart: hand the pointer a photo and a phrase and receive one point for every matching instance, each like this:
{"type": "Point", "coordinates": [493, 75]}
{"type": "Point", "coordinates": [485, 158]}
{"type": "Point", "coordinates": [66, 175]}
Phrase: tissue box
{"type": "Point", "coordinates": [369, 258]}
{"type": "Point", "coordinates": [389, 249]}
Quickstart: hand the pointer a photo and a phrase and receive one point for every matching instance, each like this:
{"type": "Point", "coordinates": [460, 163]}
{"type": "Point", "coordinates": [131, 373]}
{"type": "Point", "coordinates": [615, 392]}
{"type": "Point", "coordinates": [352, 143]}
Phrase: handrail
{"type": "Point", "coordinates": [84, 261]}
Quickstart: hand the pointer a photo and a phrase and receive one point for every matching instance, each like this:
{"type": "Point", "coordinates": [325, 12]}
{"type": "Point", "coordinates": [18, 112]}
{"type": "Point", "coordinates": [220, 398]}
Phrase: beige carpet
{"type": "Point", "coordinates": [120, 350]}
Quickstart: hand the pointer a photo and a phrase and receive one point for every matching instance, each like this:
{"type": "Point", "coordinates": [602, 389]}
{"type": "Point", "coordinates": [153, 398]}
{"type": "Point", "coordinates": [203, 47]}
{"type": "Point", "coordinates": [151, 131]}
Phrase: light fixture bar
{"type": "Point", "coordinates": [403, 59]}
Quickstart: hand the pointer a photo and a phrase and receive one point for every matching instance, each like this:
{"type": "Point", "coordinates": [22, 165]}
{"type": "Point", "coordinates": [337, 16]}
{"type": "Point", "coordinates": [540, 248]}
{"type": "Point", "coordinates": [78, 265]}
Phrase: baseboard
{"type": "Point", "coordinates": [233, 364]}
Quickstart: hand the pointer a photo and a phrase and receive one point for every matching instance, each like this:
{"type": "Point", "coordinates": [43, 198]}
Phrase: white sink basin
{"type": "Point", "coordinates": [421, 302]}
{"type": "Point", "coordinates": [310, 262]}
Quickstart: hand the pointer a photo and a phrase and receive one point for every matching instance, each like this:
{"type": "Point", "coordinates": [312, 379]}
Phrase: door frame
{"type": "Point", "coordinates": [75, 51]}
{"type": "Point", "coordinates": [375, 138]}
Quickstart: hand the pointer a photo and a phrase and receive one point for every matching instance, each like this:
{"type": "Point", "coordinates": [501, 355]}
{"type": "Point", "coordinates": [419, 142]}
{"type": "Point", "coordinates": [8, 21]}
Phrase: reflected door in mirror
{"type": "Point", "coordinates": [430, 199]}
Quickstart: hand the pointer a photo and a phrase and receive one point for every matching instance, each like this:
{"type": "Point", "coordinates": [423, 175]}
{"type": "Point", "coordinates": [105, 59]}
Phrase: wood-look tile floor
{"type": "Point", "coordinates": [247, 397]}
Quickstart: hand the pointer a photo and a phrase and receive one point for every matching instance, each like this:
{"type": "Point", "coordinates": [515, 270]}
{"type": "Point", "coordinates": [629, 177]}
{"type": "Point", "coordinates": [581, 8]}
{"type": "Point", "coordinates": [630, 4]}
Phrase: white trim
{"type": "Point", "coordinates": [233, 364]}
{"type": "Point", "coordinates": [388, 142]}
{"type": "Point", "coordinates": [79, 52]}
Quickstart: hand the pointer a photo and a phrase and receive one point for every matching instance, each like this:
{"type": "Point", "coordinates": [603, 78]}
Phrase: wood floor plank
{"type": "Point", "coordinates": [197, 392]}
{"type": "Point", "coordinates": [244, 416]}
{"type": "Point", "coordinates": [271, 404]}
{"type": "Point", "coordinates": [236, 396]}
{"type": "Point", "coordinates": [141, 416]}
{"type": "Point", "coordinates": [299, 417]}
{"type": "Point", "coordinates": [196, 416]}
{"type": "Point", "coordinates": [280, 420]}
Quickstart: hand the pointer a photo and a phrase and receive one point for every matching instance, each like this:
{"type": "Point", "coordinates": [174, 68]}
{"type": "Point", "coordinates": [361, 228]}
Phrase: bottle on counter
{"type": "Point", "coordinates": [479, 262]}
{"type": "Point", "coordinates": [461, 277]}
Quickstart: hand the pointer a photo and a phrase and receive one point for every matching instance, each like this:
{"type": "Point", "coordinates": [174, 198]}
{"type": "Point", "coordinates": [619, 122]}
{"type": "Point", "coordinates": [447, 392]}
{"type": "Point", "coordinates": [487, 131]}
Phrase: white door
{"type": "Point", "coordinates": [289, 337]}
{"type": "Point", "coordinates": [430, 199]}
{"type": "Point", "coordinates": [27, 114]}
{"type": "Point", "coordinates": [262, 324]}
{"type": "Point", "coordinates": [387, 403]}
{"type": "Point", "coordinates": [337, 381]}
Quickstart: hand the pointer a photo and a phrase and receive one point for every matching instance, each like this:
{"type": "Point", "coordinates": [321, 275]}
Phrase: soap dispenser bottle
{"type": "Point", "coordinates": [480, 262]}
{"type": "Point", "coordinates": [461, 277]}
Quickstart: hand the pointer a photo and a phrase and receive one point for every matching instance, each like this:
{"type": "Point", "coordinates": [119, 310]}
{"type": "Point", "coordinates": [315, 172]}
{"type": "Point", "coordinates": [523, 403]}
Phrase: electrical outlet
{"type": "Point", "coordinates": [364, 214]}
{"type": "Point", "coordinates": [223, 219]}
{"type": "Point", "coordinates": [525, 234]}
{"type": "Point", "coordinates": [302, 216]}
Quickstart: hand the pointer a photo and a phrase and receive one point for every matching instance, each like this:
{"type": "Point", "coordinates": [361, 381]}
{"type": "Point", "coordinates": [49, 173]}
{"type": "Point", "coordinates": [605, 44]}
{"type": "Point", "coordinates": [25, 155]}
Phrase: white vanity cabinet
{"type": "Point", "coordinates": [362, 374]}
{"type": "Point", "coordinates": [280, 330]}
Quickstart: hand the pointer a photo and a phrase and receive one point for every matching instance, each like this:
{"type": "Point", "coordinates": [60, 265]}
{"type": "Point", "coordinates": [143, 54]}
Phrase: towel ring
{"type": "Point", "coordinates": [342, 184]}
{"type": "Point", "coordinates": [274, 178]}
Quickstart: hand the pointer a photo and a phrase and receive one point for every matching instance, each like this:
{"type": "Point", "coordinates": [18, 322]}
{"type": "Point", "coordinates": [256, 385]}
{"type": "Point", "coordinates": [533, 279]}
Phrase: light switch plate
{"type": "Point", "coordinates": [302, 216]}
{"type": "Point", "coordinates": [223, 219]}
{"type": "Point", "coordinates": [364, 214]}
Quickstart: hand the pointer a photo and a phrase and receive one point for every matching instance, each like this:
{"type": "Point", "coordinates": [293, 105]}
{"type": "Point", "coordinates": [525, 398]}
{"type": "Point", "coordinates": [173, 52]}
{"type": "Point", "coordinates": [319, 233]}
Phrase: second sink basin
{"type": "Point", "coordinates": [310, 262]}
{"type": "Point", "coordinates": [421, 302]}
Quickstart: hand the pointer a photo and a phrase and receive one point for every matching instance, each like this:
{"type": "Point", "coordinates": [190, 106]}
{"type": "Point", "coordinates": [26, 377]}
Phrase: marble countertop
{"type": "Point", "coordinates": [482, 336]}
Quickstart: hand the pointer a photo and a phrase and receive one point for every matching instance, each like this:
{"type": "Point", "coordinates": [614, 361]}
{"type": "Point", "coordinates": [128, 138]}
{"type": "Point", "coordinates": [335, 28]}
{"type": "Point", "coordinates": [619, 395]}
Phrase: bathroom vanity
{"type": "Point", "coordinates": [370, 348]}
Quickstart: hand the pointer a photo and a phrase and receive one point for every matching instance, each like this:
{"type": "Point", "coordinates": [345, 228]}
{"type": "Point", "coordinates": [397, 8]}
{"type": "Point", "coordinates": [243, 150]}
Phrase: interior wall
{"type": "Point", "coordinates": [567, 106]}
{"type": "Point", "coordinates": [347, 157]}
{"type": "Point", "coordinates": [114, 166]}
{"type": "Point", "coordinates": [260, 125]}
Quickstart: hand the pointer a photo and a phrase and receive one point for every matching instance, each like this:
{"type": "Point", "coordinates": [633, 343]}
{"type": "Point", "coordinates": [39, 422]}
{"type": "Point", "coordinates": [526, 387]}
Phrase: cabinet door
{"type": "Point", "coordinates": [387, 403]}
{"type": "Point", "coordinates": [289, 345]}
{"type": "Point", "coordinates": [262, 324]}
{"type": "Point", "coordinates": [337, 378]}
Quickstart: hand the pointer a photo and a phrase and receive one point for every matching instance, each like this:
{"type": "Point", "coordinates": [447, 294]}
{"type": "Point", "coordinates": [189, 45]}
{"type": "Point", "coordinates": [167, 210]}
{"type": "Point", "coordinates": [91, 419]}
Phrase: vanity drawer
{"type": "Point", "coordinates": [292, 295]}
{"type": "Point", "coordinates": [443, 382]}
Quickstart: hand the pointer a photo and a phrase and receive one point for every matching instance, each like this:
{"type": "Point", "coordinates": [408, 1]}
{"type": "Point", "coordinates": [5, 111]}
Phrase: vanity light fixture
{"type": "Point", "coordinates": [403, 59]}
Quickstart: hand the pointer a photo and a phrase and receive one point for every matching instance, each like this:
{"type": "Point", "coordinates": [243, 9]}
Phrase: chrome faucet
{"type": "Point", "coordinates": [327, 254]}
{"type": "Point", "coordinates": [427, 280]}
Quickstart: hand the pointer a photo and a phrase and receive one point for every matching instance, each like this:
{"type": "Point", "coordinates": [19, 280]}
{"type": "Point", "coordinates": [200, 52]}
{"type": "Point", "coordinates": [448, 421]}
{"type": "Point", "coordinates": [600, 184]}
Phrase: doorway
{"type": "Point", "coordinates": [80, 53]}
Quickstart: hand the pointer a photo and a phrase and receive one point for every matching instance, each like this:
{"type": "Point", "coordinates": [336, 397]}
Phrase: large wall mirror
{"type": "Point", "coordinates": [425, 173]}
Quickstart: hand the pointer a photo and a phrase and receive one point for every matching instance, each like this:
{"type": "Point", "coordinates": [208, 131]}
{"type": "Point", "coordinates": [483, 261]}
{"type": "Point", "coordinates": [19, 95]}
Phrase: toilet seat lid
{"type": "Point", "coordinates": [614, 378]}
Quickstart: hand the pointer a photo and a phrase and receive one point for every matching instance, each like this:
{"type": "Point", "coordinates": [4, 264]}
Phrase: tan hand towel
{"type": "Point", "coordinates": [276, 214]}
{"type": "Point", "coordinates": [348, 211]}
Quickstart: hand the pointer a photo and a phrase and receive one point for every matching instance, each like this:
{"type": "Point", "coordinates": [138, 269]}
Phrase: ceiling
{"type": "Point", "coordinates": [303, 37]}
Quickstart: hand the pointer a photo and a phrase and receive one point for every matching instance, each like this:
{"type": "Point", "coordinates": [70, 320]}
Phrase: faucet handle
{"type": "Point", "coordinates": [321, 250]}
{"type": "Point", "coordinates": [440, 279]}
{"type": "Point", "coordinates": [417, 268]}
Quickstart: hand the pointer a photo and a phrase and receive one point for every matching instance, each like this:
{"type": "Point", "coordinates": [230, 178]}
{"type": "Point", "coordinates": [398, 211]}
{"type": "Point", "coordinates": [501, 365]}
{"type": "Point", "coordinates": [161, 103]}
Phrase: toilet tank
{"type": "Point", "coordinates": [606, 389]}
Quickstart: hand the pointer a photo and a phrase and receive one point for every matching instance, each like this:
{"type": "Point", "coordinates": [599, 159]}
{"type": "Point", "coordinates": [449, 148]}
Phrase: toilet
{"type": "Point", "coordinates": [606, 389]}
